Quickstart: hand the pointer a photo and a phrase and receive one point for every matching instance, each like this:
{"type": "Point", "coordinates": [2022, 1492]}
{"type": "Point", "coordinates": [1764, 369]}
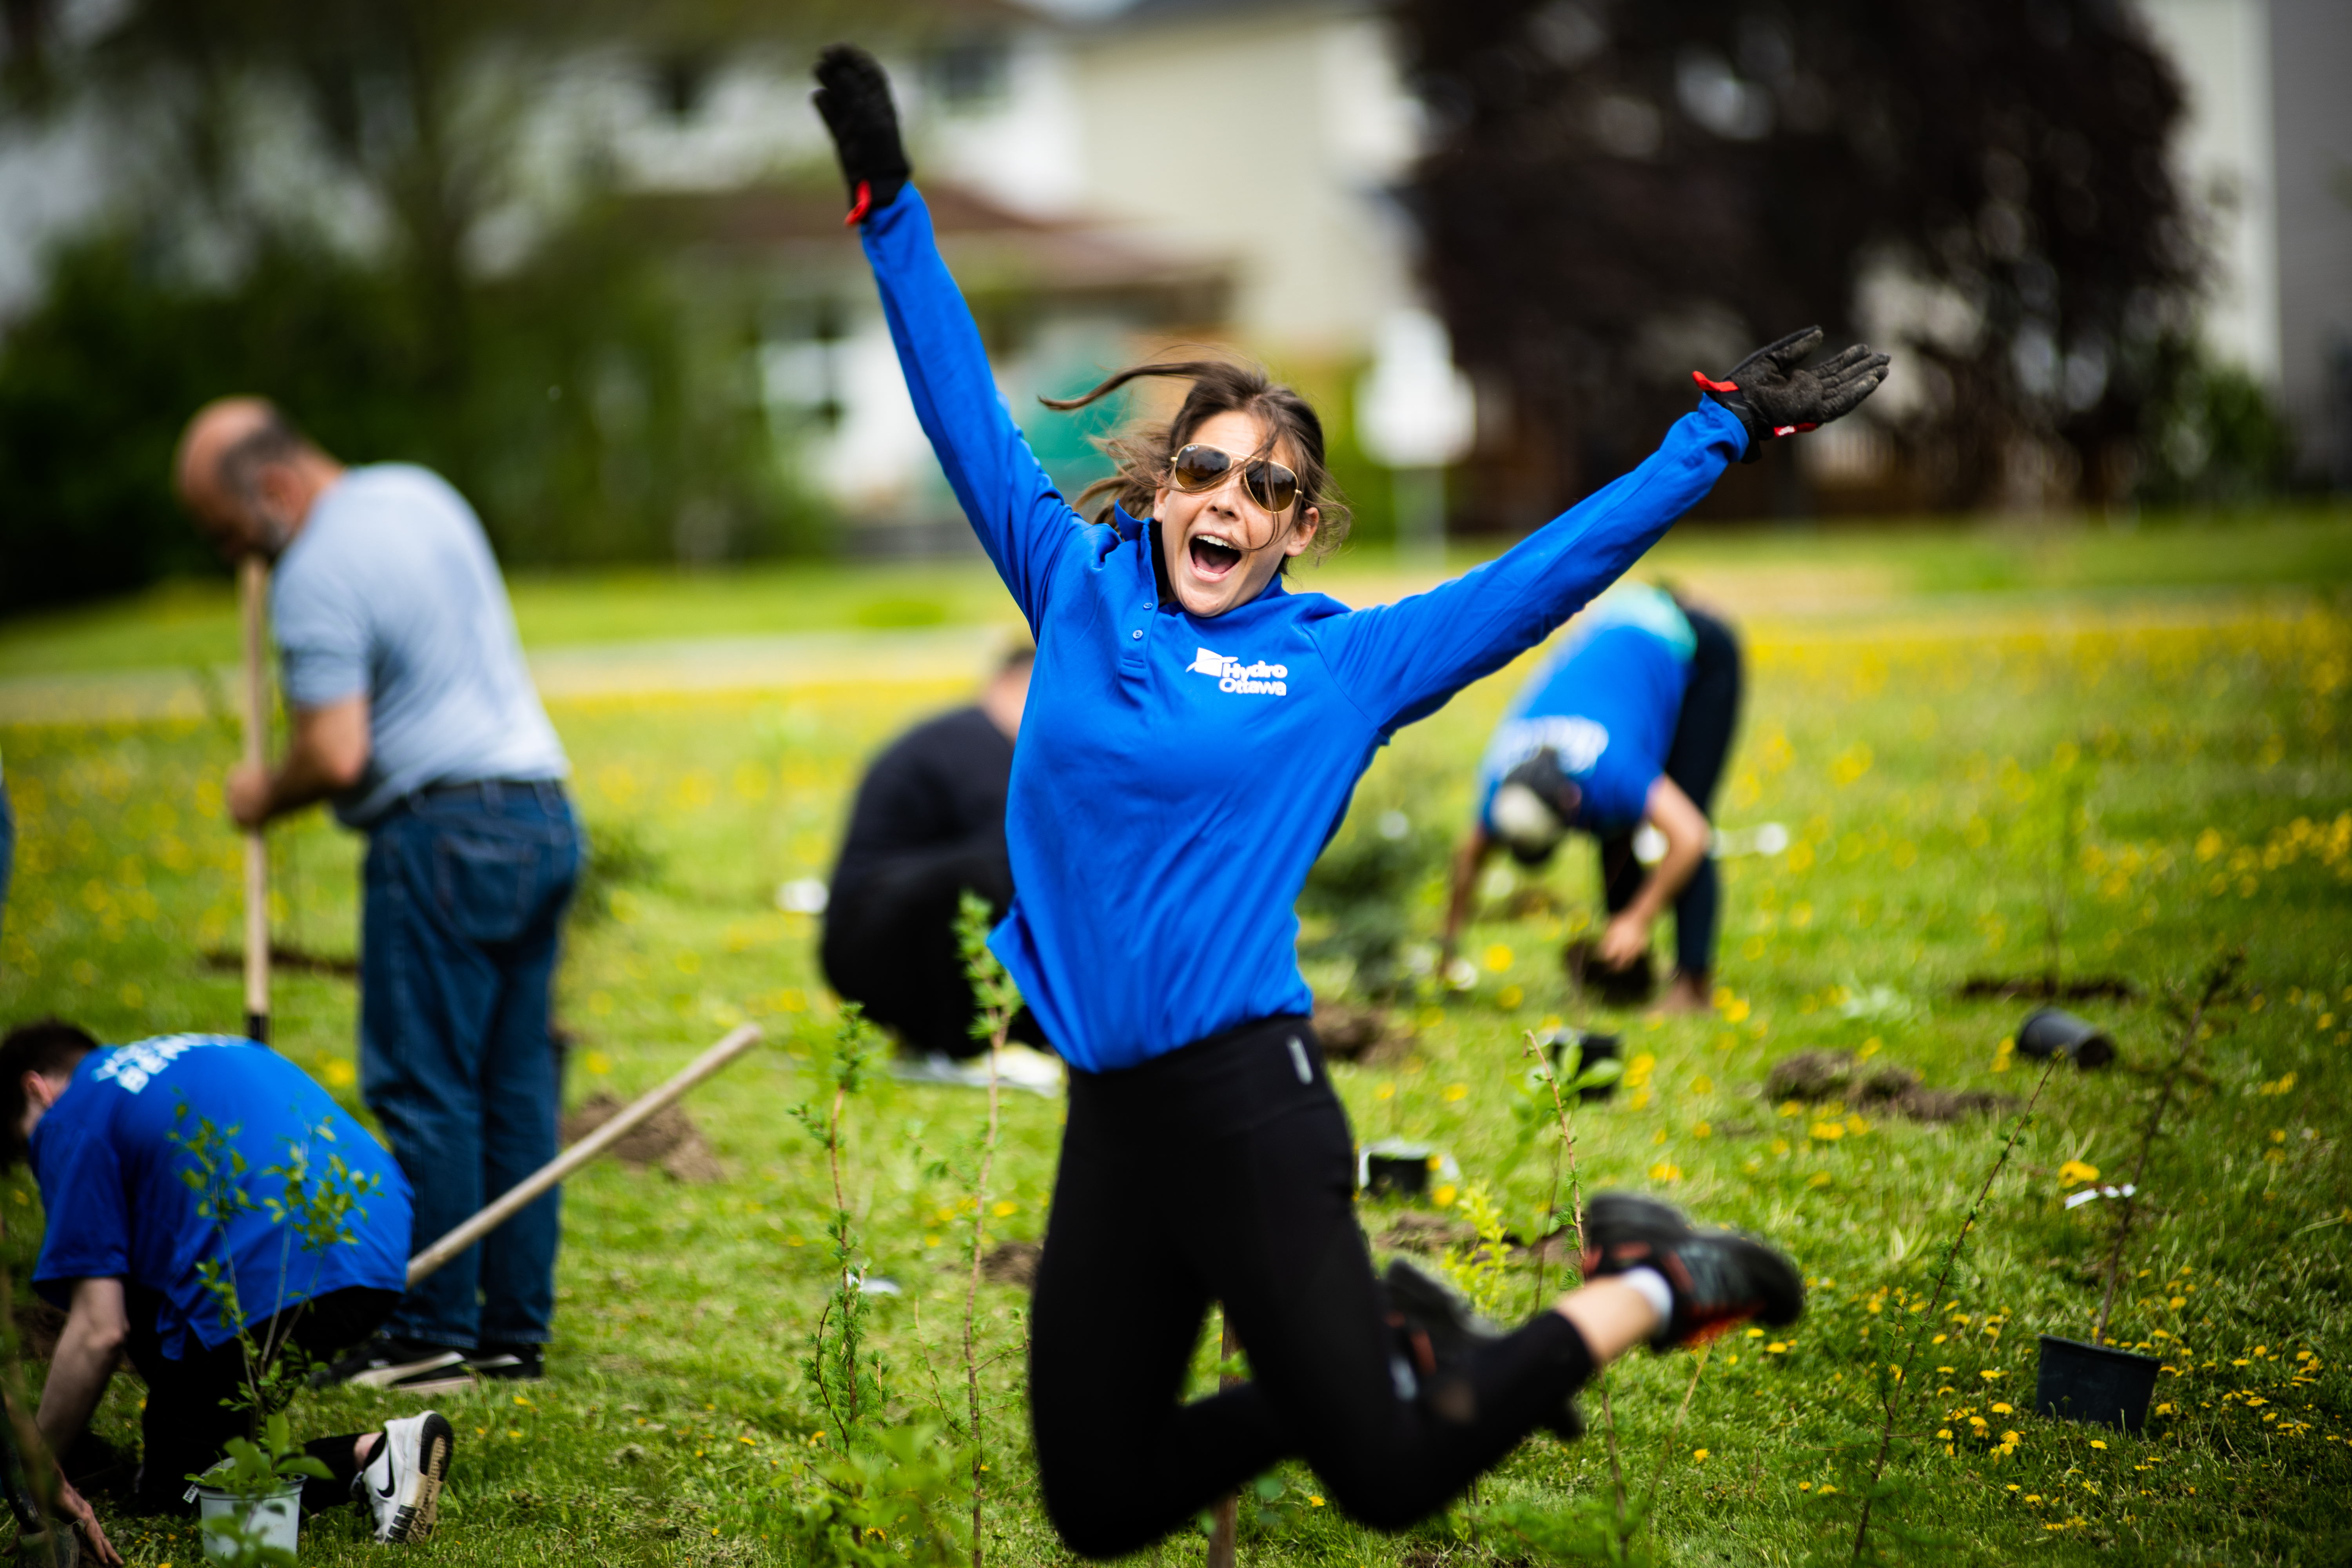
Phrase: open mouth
{"type": "Point", "coordinates": [1212, 557]}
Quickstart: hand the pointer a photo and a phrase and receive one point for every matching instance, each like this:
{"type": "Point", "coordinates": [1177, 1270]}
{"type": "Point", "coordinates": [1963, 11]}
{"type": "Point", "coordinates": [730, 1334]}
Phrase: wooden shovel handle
{"type": "Point", "coordinates": [253, 593]}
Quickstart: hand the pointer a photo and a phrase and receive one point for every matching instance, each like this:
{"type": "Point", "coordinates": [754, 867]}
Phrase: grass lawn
{"type": "Point", "coordinates": [2164, 713]}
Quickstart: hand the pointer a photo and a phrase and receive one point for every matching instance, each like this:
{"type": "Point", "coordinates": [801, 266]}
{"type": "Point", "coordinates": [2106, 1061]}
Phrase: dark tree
{"type": "Point", "coordinates": [1619, 193]}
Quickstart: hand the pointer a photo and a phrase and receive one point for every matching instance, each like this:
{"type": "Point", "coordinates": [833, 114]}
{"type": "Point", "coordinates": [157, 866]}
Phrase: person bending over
{"type": "Point", "coordinates": [125, 1248]}
{"type": "Point", "coordinates": [927, 827]}
{"type": "Point", "coordinates": [413, 711]}
{"type": "Point", "coordinates": [1627, 723]}
{"type": "Point", "coordinates": [1194, 733]}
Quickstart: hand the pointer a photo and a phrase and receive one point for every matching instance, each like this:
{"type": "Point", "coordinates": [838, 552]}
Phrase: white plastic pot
{"type": "Point", "coordinates": [277, 1516]}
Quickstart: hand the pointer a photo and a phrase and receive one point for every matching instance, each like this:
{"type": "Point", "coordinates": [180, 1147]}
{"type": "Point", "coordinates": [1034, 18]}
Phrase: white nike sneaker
{"type": "Point", "coordinates": [1024, 1067]}
{"type": "Point", "coordinates": [402, 1478]}
{"type": "Point", "coordinates": [1017, 1067]}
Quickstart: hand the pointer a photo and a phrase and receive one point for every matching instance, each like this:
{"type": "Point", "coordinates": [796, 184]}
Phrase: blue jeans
{"type": "Point", "coordinates": [465, 889]}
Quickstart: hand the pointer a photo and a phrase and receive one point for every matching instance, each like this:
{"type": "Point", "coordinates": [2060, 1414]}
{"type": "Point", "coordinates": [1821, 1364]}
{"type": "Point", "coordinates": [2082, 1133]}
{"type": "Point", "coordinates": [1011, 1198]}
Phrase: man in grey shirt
{"type": "Point", "coordinates": [412, 712]}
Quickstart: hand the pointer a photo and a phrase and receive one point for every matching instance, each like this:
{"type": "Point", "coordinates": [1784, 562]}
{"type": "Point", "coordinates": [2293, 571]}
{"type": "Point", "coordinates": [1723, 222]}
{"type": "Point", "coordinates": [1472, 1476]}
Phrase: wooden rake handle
{"type": "Point", "coordinates": [517, 1197]}
{"type": "Point", "coordinates": [253, 594]}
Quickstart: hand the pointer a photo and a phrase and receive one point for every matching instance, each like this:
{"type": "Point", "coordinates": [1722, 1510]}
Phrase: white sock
{"type": "Point", "coordinates": [1654, 1290]}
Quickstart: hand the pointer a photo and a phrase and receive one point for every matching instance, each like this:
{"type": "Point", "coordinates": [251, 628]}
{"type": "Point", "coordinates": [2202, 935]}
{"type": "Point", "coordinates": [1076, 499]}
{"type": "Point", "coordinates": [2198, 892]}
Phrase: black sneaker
{"type": "Point", "coordinates": [386, 1361]}
{"type": "Point", "coordinates": [1436, 1329]}
{"type": "Point", "coordinates": [1719, 1278]}
{"type": "Point", "coordinates": [515, 1363]}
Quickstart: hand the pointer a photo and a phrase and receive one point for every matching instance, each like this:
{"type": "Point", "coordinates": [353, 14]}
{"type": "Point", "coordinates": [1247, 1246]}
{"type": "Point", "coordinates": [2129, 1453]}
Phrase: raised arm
{"type": "Point", "coordinates": [1022, 521]}
{"type": "Point", "coordinates": [1401, 661]}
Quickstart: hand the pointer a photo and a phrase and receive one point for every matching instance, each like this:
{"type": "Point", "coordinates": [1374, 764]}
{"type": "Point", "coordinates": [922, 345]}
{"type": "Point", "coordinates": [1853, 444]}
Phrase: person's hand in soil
{"type": "Point", "coordinates": [81, 1517]}
{"type": "Point", "coordinates": [1625, 939]}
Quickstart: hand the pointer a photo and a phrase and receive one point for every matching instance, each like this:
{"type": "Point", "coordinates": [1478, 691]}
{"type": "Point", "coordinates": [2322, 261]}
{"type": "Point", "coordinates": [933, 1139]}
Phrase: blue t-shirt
{"type": "Point", "coordinates": [390, 591]}
{"type": "Point", "coordinates": [1177, 777]}
{"type": "Point", "coordinates": [1606, 700]}
{"type": "Point", "coordinates": [119, 1207]}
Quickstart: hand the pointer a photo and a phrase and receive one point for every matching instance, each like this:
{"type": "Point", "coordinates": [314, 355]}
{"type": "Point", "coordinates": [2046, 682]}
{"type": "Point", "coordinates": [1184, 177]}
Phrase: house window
{"type": "Point", "coordinates": [969, 74]}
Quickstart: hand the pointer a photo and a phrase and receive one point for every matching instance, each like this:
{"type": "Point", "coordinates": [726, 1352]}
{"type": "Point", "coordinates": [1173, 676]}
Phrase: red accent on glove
{"type": "Point", "coordinates": [1700, 376]}
{"type": "Point", "coordinates": [861, 206]}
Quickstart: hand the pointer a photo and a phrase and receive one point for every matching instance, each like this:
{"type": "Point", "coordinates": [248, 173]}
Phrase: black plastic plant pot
{"type": "Point", "coordinates": [2053, 1031]}
{"type": "Point", "coordinates": [1592, 1047]}
{"type": "Point", "coordinates": [2097, 1384]}
{"type": "Point", "coordinates": [1632, 986]}
{"type": "Point", "coordinates": [1392, 1168]}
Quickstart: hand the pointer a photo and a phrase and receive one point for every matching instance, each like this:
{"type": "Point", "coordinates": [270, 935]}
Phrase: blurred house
{"type": "Point", "coordinates": [1115, 176]}
{"type": "Point", "coordinates": [2268, 151]}
{"type": "Point", "coordinates": [1106, 187]}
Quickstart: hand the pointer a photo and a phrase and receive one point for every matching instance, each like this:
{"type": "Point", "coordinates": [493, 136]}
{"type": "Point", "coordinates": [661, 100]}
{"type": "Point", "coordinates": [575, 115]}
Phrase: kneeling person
{"type": "Point", "coordinates": [929, 827]}
{"type": "Point", "coordinates": [1627, 723]}
{"type": "Point", "coordinates": [126, 1251]}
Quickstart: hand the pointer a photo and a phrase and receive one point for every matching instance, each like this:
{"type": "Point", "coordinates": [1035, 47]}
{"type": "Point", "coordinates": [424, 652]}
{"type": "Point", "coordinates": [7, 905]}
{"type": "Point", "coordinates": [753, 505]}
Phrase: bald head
{"type": "Point", "coordinates": [248, 477]}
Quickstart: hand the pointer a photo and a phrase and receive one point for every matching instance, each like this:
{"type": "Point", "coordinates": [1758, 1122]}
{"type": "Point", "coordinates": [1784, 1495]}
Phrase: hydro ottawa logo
{"type": "Point", "coordinates": [1260, 680]}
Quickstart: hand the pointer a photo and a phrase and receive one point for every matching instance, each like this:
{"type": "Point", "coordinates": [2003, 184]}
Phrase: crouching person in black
{"type": "Point", "coordinates": [929, 826]}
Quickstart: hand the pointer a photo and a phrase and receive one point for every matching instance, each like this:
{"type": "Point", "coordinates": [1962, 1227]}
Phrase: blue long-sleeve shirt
{"type": "Point", "coordinates": [1177, 777]}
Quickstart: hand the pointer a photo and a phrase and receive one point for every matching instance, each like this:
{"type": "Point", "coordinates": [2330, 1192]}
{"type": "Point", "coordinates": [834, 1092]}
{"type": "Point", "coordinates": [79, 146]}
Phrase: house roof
{"type": "Point", "coordinates": [992, 249]}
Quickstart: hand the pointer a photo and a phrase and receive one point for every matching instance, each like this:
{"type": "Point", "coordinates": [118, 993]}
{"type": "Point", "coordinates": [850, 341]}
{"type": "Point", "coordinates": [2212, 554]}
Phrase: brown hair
{"type": "Point", "coordinates": [49, 1047]}
{"type": "Point", "coordinates": [1140, 453]}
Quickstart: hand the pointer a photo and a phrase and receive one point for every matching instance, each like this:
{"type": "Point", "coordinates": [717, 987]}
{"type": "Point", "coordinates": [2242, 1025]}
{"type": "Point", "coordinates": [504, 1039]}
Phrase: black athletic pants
{"type": "Point", "coordinates": [185, 1428]}
{"type": "Point", "coordinates": [890, 943]}
{"type": "Point", "coordinates": [1695, 762]}
{"type": "Point", "coordinates": [1224, 1172]}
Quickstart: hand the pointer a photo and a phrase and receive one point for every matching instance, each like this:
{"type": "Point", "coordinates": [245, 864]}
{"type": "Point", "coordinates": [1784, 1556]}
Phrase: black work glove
{"type": "Point", "coordinates": [1772, 397]}
{"type": "Point", "coordinates": [854, 96]}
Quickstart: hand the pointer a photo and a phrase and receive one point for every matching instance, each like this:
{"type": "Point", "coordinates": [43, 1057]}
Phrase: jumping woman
{"type": "Point", "coordinates": [1194, 732]}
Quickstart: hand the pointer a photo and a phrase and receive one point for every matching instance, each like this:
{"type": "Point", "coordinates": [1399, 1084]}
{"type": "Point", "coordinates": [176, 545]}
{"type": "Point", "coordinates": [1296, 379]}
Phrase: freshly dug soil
{"type": "Point", "coordinates": [1011, 1263]}
{"type": "Point", "coordinates": [287, 958]}
{"type": "Point", "coordinates": [1367, 1035]}
{"type": "Point", "coordinates": [38, 1324]}
{"type": "Point", "coordinates": [2037, 988]}
{"type": "Point", "coordinates": [1629, 987]}
{"type": "Point", "coordinates": [667, 1139]}
{"type": "Point", "coordinates": [1426, 1233]}
{"type": "Point", "coordinates": [1890, 1090]}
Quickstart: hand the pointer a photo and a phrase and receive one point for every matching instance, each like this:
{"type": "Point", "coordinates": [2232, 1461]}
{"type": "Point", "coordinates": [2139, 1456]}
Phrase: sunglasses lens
{"type": "Point", "coordinates": [1271, 485]}
{"type": "Point", "coordinates": [1197, 468]}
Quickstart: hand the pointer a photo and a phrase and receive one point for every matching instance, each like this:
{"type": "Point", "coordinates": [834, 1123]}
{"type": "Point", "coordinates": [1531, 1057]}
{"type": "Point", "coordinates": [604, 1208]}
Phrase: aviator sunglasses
{"type": "Point", "coordinates": [1199, 468]}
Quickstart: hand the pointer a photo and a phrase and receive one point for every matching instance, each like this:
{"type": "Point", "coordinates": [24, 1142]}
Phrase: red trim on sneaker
{"type": "Point", "coordinates": [861, 206]}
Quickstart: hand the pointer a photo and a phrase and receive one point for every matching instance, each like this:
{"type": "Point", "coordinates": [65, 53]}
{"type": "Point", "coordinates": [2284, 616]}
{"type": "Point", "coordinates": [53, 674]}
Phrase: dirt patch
{"type": "Point", "coordinates": [1365, 1036]}
{"type": "Point", "coordinates": [38, 1324]}
{"type": "Point", "coordinates": [289, 959]}
{"type": "Point", "coordinates": [667, 1139]}
{"type": "Point", "coordinates": [1888, 1089]}
{"type": "Point", "coordinates": [2039, 988]}
{"type": "Point", "coordinates": [1426, 1233]}
{"type": "Point", "coordinates": [1011, 1263]}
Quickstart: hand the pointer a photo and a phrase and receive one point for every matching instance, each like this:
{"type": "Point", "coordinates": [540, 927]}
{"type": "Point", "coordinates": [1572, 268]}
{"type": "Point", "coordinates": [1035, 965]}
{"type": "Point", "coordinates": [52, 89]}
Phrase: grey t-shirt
{"type": "Point", "coordinates": [390, 591]}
